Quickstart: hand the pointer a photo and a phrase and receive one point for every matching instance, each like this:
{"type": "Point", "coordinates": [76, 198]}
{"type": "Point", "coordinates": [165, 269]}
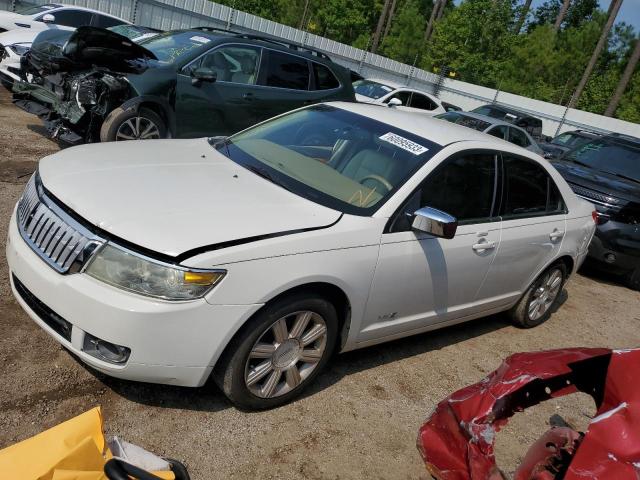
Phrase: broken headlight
{"type": "Point", "coordinates": [20, 48]}
{"type": "Point", "coordinates": [135, 273]}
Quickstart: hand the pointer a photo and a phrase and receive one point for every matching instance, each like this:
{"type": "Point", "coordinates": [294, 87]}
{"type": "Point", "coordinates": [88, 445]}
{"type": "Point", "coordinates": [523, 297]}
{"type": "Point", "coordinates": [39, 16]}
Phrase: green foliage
{"type": "Point", "coordinates": [476, 38]}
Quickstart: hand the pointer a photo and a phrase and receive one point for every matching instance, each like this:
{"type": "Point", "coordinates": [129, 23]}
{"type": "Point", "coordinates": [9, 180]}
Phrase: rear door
{"type": "Point", "coordinates": [225, 106]}
{"type": "Point", "coordinates": [533, 227]}
{"type": "Point", "coordinates": [104, 21]}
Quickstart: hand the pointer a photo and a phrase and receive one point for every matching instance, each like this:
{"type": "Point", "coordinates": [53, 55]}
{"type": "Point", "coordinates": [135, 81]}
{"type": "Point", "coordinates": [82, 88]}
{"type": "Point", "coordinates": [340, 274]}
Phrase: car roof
{"type": "Point", "coordinates": [398, 86]}
{"type": "Point", "coordinates": [86, 9]}
{"type": "Point", "coordinates": [510, 110]}
{"type": "Point", "coordinates": [437, 130]}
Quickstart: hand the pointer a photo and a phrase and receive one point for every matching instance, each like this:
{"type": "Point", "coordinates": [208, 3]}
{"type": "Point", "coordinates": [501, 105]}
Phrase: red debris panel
{"type": "Point", "coordinates": [457, 440]}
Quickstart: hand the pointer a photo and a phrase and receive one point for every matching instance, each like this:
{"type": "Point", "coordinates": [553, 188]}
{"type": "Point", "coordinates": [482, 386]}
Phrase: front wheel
{"type": "Point", "coordinates": [132, 124]}
{"type": "Point", "coordinates": [542, 297]}
{"type": "Point", "coordinates": [279, 352]}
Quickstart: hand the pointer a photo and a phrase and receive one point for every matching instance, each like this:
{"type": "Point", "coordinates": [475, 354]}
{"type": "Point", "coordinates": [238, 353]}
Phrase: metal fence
{"type": "Point", "coordinates": [175, 14]}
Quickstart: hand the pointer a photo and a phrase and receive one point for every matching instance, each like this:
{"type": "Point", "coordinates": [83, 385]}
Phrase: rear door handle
{"type": "Point", "coordinates": [556, 234]}
{"type": "Point", "coordinates": [484, 246]}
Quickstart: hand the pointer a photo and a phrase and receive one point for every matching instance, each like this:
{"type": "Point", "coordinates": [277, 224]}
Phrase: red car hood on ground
{"type": "Point", "coordinates": [457, 440]}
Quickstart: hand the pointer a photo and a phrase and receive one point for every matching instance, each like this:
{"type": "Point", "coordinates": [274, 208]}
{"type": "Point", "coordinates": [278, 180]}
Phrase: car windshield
{"type": "Point", "coordinates": [609, 155]}
{"type": "Point", "coordinates": [169, 47]}
{"type": "Point", "coordinates": [331, 156]}
{"type": "Point", "coordinates": [371, 89]}
{"type": "Point", "coordinates": [38, 9]}
{"type": "Point", "coordinates": [133, 31]}
{"type": "Point", "coordinates": [568, 139]}
{"type": "Point", "coordinates": [464, 120]}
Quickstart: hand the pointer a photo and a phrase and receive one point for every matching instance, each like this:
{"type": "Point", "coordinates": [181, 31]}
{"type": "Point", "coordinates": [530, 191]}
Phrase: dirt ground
{"type": "Point", "coordinates": [359, 421]}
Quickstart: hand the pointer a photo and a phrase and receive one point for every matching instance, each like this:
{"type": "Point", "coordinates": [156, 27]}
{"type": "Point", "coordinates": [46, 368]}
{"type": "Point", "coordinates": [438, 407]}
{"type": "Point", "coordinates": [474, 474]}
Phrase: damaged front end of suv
{"type": "Point", "coordinates": [73, 80]}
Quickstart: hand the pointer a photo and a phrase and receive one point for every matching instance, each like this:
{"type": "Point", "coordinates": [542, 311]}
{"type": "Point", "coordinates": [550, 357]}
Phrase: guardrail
{"type": "Point", "coordinates": [175, 14]}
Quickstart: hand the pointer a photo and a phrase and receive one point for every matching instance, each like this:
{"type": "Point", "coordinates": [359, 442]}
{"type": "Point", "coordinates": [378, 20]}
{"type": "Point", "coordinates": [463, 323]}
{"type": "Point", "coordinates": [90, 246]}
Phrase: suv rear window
{"type": "Point", "coordinates": [287, 71]}
{"type": "Point", "coordinates": [325, 80]}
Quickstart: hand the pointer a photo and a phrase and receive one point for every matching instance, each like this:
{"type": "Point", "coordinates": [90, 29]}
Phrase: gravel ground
{"type": "Point", "coordinates": [359, 421]}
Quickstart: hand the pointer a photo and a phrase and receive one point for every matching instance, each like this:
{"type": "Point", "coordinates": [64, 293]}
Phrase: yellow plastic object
{"type": "Point", "coordinates": [73, 450]}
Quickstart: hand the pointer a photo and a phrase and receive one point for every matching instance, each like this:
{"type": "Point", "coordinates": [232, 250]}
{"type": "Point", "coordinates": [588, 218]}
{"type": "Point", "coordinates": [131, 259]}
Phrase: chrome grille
{"type": "Point", "coordinates": [59, 241]}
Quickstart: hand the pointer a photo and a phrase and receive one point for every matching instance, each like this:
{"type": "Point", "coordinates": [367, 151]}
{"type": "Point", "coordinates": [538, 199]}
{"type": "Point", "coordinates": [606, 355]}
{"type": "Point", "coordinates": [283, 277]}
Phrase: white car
{"type": "Point", "coordinates": [405, 98]}
{"type": "Point", "coordinates": [252, 258]}
{"type": "Point", "coordinates": [18, 30]}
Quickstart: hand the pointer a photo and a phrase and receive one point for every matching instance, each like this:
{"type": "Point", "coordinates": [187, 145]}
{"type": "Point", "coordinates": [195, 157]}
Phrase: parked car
{"type": "Point", "coordinates": [606, 172]}
{"type": "Point", "coordinates": [253, 258]}
{"type": "Point", "coordinates": [533, 125]}
{"type": "Point", "coordinates": [16, 43]}
{"type": "Point", "coordinates": [409, 99]}
{"type": "Point", "coordinates": [56, 16]}
{"type": "Point", "coordinates": [184, 83]}
{"type": "Point", "coordinates": [493, 127]}
{"type": "Point", "coordinates": [566, 141]}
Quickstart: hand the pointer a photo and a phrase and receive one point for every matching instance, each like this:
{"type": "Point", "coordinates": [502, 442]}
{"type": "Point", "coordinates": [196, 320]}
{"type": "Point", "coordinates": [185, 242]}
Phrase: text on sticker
{"type": "Point", "coordinates": [404, 143]}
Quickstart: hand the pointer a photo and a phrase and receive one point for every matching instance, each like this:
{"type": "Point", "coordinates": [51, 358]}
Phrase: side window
{"type": "Point", "coordinates": [286, 71]}
{"type": "Point", "coordinates": [325, 80]}
{"type": "Point", "coordinates": [105, 22]}
{"type": "Point", "coordinates": [72, 18]}
{"type": "Point", "coordinates": [237, 64]}
{"type": "Point", "coordinates": [422, 101]}
{"type": "Point", "coordinates": [529, 191]}
{"type": "Point", "coordinates": [463, 186]}
{"type": "Point", "coordinates": [499, 131]}
{"type": "Point", "coordinates": [518, 137]}
{"type": "Point", "coordinates": [401, 95]}
{"type": "Point", "coordinates": [482, 110]}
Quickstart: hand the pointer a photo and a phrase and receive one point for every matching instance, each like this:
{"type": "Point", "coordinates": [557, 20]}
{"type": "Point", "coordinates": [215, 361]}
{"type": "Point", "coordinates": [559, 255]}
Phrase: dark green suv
{"type": "Point", "coordinates": [184, 83]}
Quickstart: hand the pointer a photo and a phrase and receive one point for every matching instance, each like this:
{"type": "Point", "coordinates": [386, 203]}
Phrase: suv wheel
{"type": "Point", "coordinates": [121, 125]}
{"type": "Point", "coordinates": [279, 352]}
{"type": "Point", "coordinates": [536, 305]}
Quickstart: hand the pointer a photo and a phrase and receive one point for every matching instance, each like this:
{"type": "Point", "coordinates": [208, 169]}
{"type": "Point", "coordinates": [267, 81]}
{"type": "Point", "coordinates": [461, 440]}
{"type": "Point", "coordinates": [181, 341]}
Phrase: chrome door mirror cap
{"type": "Point", "coordinates": [434, 222]}
{"type": "Point", "coordinates": [395, 102]}
{"type": "Point", "coordinates": [49, 18]}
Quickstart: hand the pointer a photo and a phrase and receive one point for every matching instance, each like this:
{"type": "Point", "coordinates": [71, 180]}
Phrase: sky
{"type": "Point", "coordinates": [629, 12]}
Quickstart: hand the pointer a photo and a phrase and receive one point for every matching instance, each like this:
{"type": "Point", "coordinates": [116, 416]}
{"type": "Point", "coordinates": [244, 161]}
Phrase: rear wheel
{"type": "Point", "coordinates": [131, 124]}
{"type": "Point", "coordinates": [538, 302]}
{"type": "Point", "coordinates": [633, 279]}
{"type": "Point", "coordinates": [279, 352]}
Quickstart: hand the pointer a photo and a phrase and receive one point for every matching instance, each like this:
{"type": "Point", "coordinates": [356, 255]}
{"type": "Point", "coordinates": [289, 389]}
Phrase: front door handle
{"type": "Point", "coordinates": [556, 234]}
{"type": "Point", "coordinates": [480, 246]}
{"type": "Point", "coordinates": [248, 96]}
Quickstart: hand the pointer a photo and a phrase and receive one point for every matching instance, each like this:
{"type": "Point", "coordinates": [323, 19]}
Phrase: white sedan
{"type": "Point", "coordinates": [251, 259]}
{"type": "Point", "coordinates": [388, 93]}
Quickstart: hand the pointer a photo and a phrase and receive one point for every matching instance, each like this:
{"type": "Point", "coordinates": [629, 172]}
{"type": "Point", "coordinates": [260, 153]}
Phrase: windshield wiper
{"type": "Point", "coordinates": [261, 172]}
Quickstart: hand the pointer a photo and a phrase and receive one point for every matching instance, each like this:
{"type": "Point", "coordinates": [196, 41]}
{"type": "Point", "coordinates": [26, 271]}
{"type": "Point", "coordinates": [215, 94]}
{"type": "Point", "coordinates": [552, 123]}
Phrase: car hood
{"type": "Point", "coordinates": [63, 51]}
{"type": "Point", "coordinates": [174, 196]}
{"type": "Point", "coordinates": [598, 181]}
{"type": "Point", "coordinates": [18, 35]}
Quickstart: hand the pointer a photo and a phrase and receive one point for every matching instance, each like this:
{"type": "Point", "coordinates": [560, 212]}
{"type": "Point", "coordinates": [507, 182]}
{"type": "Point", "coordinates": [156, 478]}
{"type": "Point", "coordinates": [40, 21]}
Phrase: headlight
{"type": "Point", "coordinates": [137, 274]}
{"type": "Point", "coordinates": [20, 48]}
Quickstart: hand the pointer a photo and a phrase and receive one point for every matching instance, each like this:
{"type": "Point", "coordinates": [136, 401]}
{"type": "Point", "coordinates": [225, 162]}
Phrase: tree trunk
{"type": "Point", "coordinates": [443, 5]}
{"type": "Point", "coordinates": [432, 19]}
{"type": "Point", "coordinates": [596, 53]}
{"type": "Point", "coordinates": [523, 16]}
{"type": "Point", "coordinates": [389, 20]}
{"type": "Point", "coordinates": [624, 81]}
{"type": "Point", "coordinates": [304, 14]}
{"type": "Point", "coordinates": [562, 13]}
{"type": "Point", "coordinates": [378, 32]}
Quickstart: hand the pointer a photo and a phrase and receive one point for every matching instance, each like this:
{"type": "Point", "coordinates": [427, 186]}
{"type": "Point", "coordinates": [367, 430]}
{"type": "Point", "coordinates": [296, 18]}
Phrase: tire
{"type": "Point", "coordinates": [524, 314]}
{"type": "Point", "coordinates": [269, 380]}
{"type": "Point", "coordinates": [633, 279]}
{"type": "Point", "coordinates": [121, 123]}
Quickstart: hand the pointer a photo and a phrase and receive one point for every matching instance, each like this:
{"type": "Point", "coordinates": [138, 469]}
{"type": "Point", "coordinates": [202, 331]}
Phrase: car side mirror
{"type": "Point", "coordinates": [203, 74]}
{"type": "Point", "coordinates": [434, 222]}
{"type": "Point", "coordinates": [394, 102]}
{"type": "Point", "coordinates": [48, 18]}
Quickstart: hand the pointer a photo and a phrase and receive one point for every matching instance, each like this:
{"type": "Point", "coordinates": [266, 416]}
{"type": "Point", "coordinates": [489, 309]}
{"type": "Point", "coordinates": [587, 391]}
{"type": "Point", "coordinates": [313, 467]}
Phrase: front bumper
{"type": "Point", "coordinates": [616, 247]}
{"type": "Point", "coordinates": [9, 65]}
{"type": "Point", "coordinates": [173, 343]}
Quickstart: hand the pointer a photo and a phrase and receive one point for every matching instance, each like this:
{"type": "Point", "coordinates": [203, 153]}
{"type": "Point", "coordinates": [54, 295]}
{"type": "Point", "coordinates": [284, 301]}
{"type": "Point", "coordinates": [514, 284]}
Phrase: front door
{"type": "Point", "coordinates": [421, 280]}
{"type": "Point", "coordinates": [222, 107]}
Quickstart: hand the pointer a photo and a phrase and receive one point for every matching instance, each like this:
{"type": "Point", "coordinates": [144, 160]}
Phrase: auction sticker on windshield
{"type": "Point", "coordinates": [404, 143]}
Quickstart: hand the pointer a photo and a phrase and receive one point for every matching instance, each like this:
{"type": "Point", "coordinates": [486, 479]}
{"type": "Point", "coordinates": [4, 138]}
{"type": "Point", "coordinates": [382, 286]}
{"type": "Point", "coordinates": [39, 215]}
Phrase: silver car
{"type": "Point", "coordinates": [497, 128]}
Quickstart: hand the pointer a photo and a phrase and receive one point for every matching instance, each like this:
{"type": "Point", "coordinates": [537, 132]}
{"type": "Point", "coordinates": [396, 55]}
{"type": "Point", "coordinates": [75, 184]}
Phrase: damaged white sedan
{"type": "Point", "coordinates": [251, 259]}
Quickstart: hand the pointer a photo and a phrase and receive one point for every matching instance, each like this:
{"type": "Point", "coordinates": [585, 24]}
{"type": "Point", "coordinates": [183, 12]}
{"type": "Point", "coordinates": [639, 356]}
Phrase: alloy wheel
{"type": "Point", "coordinates": [137, 128]}
{"type": "Point", "coordinates": [285, 354]}
{"type": "Point", "coordinates": [546, 293]}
